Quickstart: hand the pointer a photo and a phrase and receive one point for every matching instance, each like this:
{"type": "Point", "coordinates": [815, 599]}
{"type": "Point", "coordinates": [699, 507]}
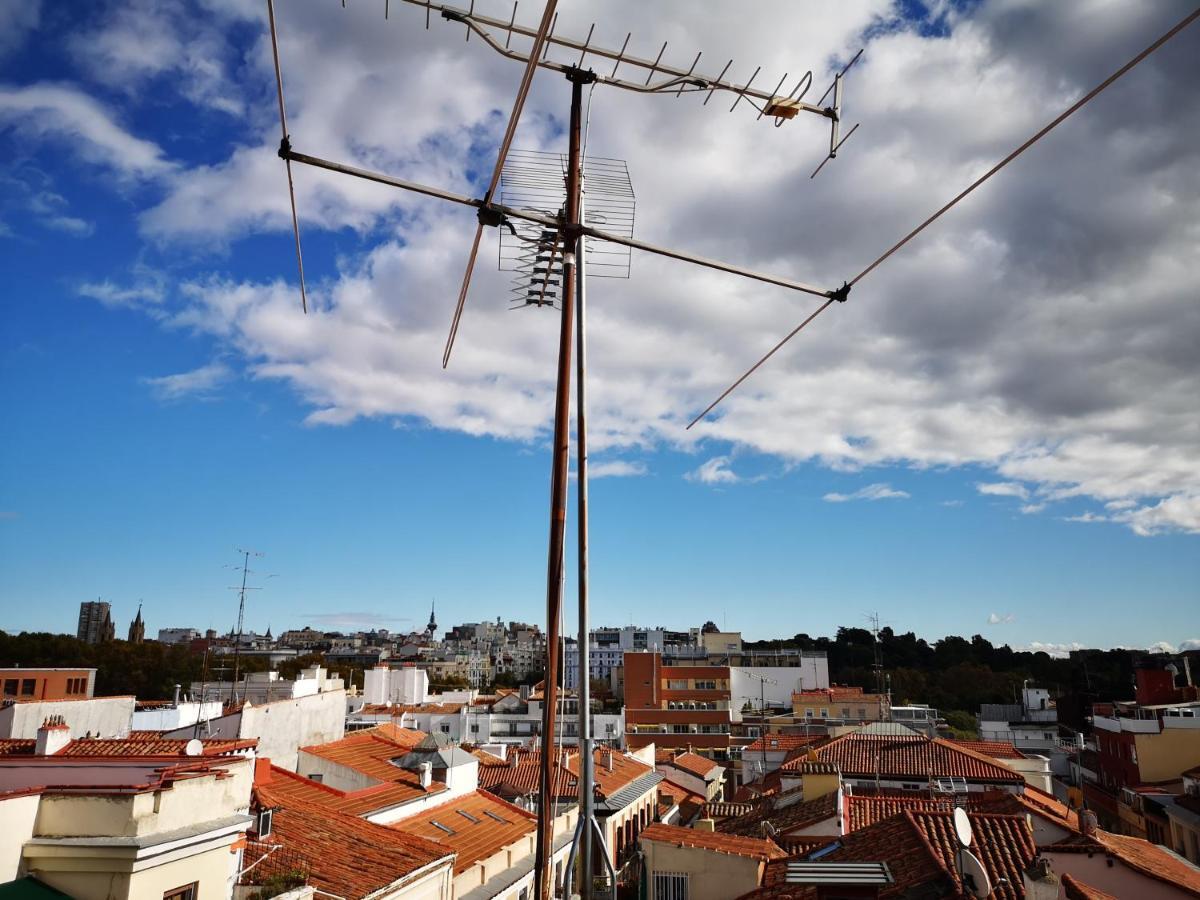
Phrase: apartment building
{"type": "Point", "coordinates": [22, 683]}
{"type": "Point", "coordinates": [675, 707]}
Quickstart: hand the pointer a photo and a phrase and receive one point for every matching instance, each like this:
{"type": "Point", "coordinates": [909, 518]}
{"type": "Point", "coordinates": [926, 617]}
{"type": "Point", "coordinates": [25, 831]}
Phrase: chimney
{"type": "Point", "coordinates": [705, 825]}
{"type": "Point", "coordinates": [1040, 881]}
{"type": "Point", "coordinates": [426, 770]}
{"type": "Point", "coordinates": [177, 687]}
{"type": "Point", "coordinates": [608, 761]}
{"type": "Point", "coordinates": [52, 737]}
{"type": "Point", "coordinates": [1088, 822]}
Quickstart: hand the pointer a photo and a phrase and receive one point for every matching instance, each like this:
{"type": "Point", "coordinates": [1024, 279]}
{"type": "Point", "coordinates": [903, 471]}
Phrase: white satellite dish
{"type": "Point", "coordinates": [974, 876]}
{"type": "Point", "coordinates": [962, 827]}
{"type": "Point", "coordinates": [193, 748]}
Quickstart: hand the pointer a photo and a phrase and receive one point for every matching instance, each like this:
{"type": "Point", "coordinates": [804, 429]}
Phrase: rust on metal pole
{"type": "Point", "coordinates": [544, 853]}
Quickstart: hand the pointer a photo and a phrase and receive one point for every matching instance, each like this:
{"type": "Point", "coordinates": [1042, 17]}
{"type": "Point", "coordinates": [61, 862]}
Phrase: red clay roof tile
{"type": "Point", "coordinates": [762, 849]}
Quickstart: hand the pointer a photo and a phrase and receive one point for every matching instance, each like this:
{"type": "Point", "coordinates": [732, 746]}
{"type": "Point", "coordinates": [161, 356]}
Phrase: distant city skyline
{"type": "Point", "coordinates": [996, 435]}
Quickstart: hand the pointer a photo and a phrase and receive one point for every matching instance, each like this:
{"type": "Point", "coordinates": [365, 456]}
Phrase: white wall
{"type": "Point", "coordinates": [166, 718]}
{"type": "Point", "coordinates": [285, 726]}
{"type": "Point", "coordinates": [17, 817]}
{"type": "Point", "coordinates": [812, 675]}
{"type": "Point", "coordinates": [106, 717]}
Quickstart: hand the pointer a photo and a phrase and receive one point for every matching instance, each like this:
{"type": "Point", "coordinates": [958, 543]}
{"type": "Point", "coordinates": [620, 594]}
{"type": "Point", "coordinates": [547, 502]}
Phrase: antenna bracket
{"type": "Point", "coordinates": [576, 75]}
{"type": "Point", "coordinates": [841, 294]}
{"type": "Point", "coordinates": [285, 147]}
{"type": "Point", "coordinates": [489, 215]}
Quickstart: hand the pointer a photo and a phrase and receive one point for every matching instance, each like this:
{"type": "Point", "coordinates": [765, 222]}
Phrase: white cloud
{"type": "Point", "coordinates": [951, 503]}
{"type": "Point", "coordinates": [1004, 489]}
{"type": "Point", "coordinates": [1057, 650]}
{"type": "Point", "coordinates": [714, 471]}
{"type": "Point", "coordinates": [1189, 644]}
{"type": "Point", "coordinates": [42, 111]}
{"type": "Point", "coordinates": [201, 382]}
{"type": "Point", "coordinates": [1032, 508]}
{"type": "Point", "coordinates": [617, 468]}
{"type": "Point", "coordinates": [1001, 339]}
{"type": "Point", "coordinates": [17, 20]}
{"type": "Point", "coordinates": [147, 289]}
{"type": "Point", "coordinates": [999, 619]}
{"type": "Point", "coordinates": [870, 492]}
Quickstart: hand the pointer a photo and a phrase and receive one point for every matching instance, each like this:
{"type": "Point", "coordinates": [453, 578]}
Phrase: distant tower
{"type": "Point", "coordinates": [431, 628]}
{"type": "Point", "coordinates": [95, 622]}
{"type": "Point", "coordinates": [268, 637]}
{"type": "Point", "coordinates": [137, 628]}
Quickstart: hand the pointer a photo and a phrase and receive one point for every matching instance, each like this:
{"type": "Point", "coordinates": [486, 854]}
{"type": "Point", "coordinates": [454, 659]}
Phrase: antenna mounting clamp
{"type": "Point", "coordinates": [841, 294]}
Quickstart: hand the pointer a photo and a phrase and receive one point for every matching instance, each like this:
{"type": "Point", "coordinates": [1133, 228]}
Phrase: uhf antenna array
{"type": "Point", "coordinates": [542, 208]}
{"type": "Point", "coordinates": [535, 181]}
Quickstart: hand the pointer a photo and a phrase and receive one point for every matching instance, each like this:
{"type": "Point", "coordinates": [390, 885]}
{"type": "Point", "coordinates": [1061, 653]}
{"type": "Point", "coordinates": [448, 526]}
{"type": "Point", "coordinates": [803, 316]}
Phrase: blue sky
{"type": "Point", "coordinates": [165, 401]}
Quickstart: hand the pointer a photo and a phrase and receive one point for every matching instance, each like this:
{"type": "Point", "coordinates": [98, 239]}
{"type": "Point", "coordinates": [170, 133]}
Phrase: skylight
{"type": "Point", "coordinates": [488, 812]}
{"type": "Point", "coordinates": [439, 825]}
{"type": "Point", "coordinates": [466, 815]}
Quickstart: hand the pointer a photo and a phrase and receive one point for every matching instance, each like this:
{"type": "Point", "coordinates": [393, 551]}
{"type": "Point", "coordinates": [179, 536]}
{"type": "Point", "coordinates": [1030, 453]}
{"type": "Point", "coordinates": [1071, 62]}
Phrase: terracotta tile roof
{"type": "Point", "coordinates": [405, 737]}
{"type": "Point", "coordinates": [1047, 806]}
{"type": "Point", "coordinates": [836, 692]}
{"type": "Point", "coordinates": [762, 849]}
{"type": "Point", "coordinates": [689, 802]}
{"type": "Point", "coordinates": [355, 803]}
{"type": "Point", "coordinates": [1138, 854]}
{"type": "Point", "coordinates": [920, 849]}
{"type": "Point", "coordinates": [862, 810]}
{"type": "Point", "coordinates": [700, 766]}
{"type": "Point", "coordinates": [153, 746]}
{"type": "Point", "coordinates": [1002, 843]}
{"type": "Point", "coordinates": [1074, 889]}
{"type": "Point", "coordinates": [370, 753]}
{"type": "Point", "coordinates": [17, 746]}
{"type": "Point", "coordinates": [475, 826]}
{"type": "Point", "coordinates": [487, 760]}
{"type": "Point", "coordinates": [786, 812]}
{"type": "Point", "coordinates": [994, 749]}
{"type": "Point", "coordinates": [725, 809]}
{"type": "Point", "coordinates": [521, 779]}
{"type": "Point", "coordinates": [915, 757]}
{"type": "Point", "coordinates": [771, 742]}
{"type": "Point", "coordinates": [322, 837]}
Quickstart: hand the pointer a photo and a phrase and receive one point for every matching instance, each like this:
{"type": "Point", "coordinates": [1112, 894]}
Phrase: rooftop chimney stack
{"type": "Point", "coordinates": [52, 737]}
{"type": "Point", "coordinates": [426, 770]}
{"type": "Point", "coordinates": [1040, 881]}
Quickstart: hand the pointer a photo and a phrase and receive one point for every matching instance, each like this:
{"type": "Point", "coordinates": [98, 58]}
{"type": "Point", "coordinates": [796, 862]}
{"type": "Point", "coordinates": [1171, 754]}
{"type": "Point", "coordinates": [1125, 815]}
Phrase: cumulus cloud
{"type": "Point", "coordinates": [870, 492]}
{"type": "Point", "coordinates": [201, 382]}
{"type": "Point", "coordinates": [714, 471]}
{"type": "Point", "coordinates": [1057, 650]}
{"type": "Point", "coordinates": [1002, 339]}
{"type": "Point", "coordinates": [1001, 619]}
{"type": "Point", "coordinates": [1004, 489]}
{"type": "Point", "coordinates": [616, 468]}
{"type": "Point", "coordinates": [66, 114]}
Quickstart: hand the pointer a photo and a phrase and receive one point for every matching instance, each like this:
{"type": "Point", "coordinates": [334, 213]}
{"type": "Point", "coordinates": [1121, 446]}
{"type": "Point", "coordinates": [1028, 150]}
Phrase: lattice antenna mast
{"type": "Point", "coordinates": [246, 571]}
{"type": "Point", "coordinates": [873, 618]}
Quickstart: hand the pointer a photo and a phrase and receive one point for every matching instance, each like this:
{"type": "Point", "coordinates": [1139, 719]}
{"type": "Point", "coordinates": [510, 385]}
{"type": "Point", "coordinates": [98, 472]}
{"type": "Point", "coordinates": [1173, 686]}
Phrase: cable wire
{"type": "Point", "coordinates": [284, 143]}
{"type": "Point", "coordinates": [1187, 20]}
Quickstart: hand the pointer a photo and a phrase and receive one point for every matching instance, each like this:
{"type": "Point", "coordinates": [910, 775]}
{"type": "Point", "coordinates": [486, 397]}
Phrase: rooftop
{"type": "Point", "coordinates": [771, 742]}
{"type": "Point", "coordinates": [994, 749]}
{"type": "Point", "coordinates": [1138, 854]}
{"type": "Point", "coordinates": [762, 849]}
{"type": "Point", "coordinates": [785, 812]}
{"type": "Point", "coordinates": [297, 788]}
{"type": "Point", "coordinates": [694, 763]}
{"type": "Point", "coordinates": [475, 826]}
{"type": "Point", "coordinates": [914, 757]}
{"type": "Point", "coordinates": [323, 836]}
{"type": "Point", "coordinates": [85, 775]}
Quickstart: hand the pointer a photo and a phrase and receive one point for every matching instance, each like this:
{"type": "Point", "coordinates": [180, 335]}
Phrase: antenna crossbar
{"type": "Point", "coordinates": [647, 76]}
{"type": "Point", "coordinates": [553, 222]}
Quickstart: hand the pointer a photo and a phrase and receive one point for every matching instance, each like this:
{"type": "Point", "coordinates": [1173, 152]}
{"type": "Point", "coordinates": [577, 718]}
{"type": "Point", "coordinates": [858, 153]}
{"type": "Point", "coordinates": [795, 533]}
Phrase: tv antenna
{"type": "Point", "coordinates": [553, 261]}
{"type": "Point", "coordinates": [246, 571]}
{"type": "Point", "coordinates": [877, 666]}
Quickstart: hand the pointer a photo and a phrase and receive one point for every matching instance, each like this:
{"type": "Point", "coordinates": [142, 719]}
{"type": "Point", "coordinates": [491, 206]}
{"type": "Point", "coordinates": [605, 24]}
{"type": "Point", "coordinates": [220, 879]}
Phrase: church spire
{"type": "Point", "coordinates": [432, 627]}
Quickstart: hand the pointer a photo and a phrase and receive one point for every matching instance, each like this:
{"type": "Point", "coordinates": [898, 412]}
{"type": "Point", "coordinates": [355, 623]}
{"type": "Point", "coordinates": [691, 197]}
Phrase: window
{"type": "Point", "coordinates": [845, 712]}
{"type": "Point", "coordinates": [670, 886]}
{"type": "Point", "coordinates": [445, 729]}
{"type": "Point", "coordinates": [187, 892]}
{"type": "Point", "coordinates": [706, 685]}
{"type": "Point", "coordinates": [474, 729]}
{"type": "Point", "coordinates": [862, 712]}
{"type": "Point", "coordinates": [10, 687]}
{"type": "Point", "coordinates": [28, 687]}
{"type": "Point", "coordinates": [674, 684]}
{"type": "Point", "coordinates": [824, 714]}
{"type": "Point", "coordinates": [808, 713]}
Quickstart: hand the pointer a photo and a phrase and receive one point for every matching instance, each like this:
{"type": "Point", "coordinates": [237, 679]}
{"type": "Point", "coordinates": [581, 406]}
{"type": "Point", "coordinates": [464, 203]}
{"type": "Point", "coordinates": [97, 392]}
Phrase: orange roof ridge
{"type": "Point", "coordinates": [763, 849]}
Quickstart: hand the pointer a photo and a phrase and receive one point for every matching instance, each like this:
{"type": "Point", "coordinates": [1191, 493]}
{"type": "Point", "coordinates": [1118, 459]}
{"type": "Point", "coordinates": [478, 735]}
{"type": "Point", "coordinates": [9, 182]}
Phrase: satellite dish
{"type": "Point", "coordinates": [962, 827]}
{"type": "Point", "coordinates": [193, 748]}
{"type": "Point", "coordinates": [974, 876]}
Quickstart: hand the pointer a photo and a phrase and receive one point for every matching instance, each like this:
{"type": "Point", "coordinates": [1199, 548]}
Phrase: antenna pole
{"type": "Point", "coordinates": [544, 851]}
{"type": "Point", "coordinates": [237, 647]}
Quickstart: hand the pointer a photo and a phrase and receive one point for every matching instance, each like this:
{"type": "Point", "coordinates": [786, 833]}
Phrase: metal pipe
{"type": "Point", "coordinates": [530, 216]}
{"type": "Point", "coordinates": [544, 850]}
{"type": "Point", "coordinates": [586, 760]}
